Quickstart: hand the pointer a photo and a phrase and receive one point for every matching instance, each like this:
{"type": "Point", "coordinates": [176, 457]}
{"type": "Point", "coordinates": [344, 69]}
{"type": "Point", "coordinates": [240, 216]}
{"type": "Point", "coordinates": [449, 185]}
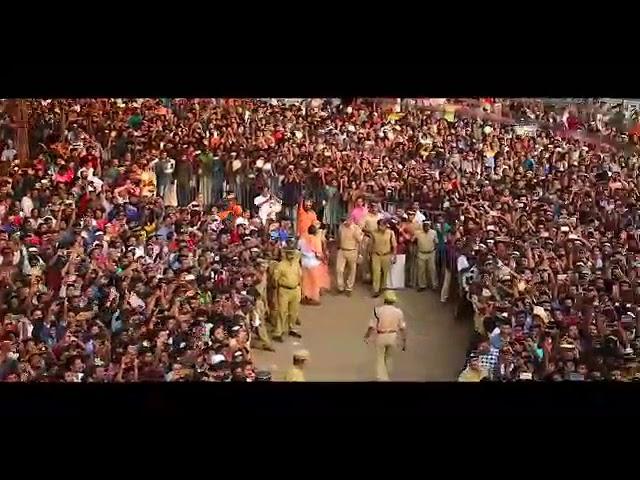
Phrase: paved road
{"type": "Point", "coordinates": [333, 334]}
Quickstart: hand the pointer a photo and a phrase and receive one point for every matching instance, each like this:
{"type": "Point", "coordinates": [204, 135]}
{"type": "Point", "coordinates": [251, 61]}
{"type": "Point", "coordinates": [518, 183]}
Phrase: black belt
{"type": "Point", "coordinates": [387, 331]}
{"type": "Point", "coordinates": [348, 249]}
{"type": "Point", "coordinates": [430, 251]}
{"type": "Point", "coordinates": [381, 254]}
{"type": "Point", "coordinates": [288, 288]}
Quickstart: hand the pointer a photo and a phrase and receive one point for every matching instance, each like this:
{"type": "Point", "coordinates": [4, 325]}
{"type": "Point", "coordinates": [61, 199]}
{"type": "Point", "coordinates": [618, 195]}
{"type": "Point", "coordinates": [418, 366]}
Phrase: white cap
{"type": "Point", "coordinates": [217, 359]}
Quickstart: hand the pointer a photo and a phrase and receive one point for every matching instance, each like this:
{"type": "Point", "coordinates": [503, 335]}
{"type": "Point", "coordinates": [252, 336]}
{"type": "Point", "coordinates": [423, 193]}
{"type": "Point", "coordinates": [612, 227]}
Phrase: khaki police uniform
{"type": "Point", "coordinates": [295, 373]}
{"type": "Point", "coordinates": [288, 277]}
{"type": "Point", "coordinates": [272, 293]}
{"type": "Point", "coordinates": [387, 321]}
{"type": "Point", "coordinates": [426, 243]}
{"type": "Point", "coordinates": [261, 340]}
{"type": "Point", "coordinates": [262, 287]}
{"type": "Point", "coordinates": [369, 225]}
{"type": "Point", "coordinates": [410, 266]}
{"type": "Point", "coordinates": [349, 239]}
{"type": "Point", "coordinates": [382, 248]}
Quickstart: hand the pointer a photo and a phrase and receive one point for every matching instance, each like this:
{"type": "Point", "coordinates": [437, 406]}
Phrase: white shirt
{"type": "Point", "coordinates": [8, 154]}
{"type": "Point", "coordinates": [27, 205]}
{"type": "Point", "coordinates": [462, 263]}
{"type": "Point", "coordinates": [419, 218]}
{"type": "Point", "coordinates": [265, 210]}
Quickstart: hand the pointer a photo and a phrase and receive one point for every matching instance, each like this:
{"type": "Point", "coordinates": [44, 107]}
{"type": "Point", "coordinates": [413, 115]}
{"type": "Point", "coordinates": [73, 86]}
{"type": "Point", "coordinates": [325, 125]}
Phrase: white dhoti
{"type": "Point", "coordinates": [395, 280]}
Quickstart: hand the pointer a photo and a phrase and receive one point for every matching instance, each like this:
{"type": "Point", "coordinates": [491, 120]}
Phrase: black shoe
{"type": "Point", "coordinates": [294, 334]}
{"type": "Point", "coordinates": [421, 289]}
{"type": "Point", "coordinates": [376, 295]}
{"type": "Point", "coordinates": [269, 349]}
{"type": "Point", "coordinates": [277, 339]}
{"type": "Point", "coordinates": [348, 293]}
{"type": "Point", "coordinates": [339, 292]}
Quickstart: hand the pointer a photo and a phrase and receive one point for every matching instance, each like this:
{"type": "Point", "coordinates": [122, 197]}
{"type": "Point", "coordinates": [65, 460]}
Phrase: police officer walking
{"type": "Point", "coordinates": [296, 373]}
{"type": "Point", "coordinates": [383, 254]}
{"type": "Point", "coordinates": [427, 241]}
{"type": "Point", "coordinates": [288, 277]}
{"type": "Point", "coordinates": [349, 237]}
{"type": "Point", "coordinates": [387, 323]}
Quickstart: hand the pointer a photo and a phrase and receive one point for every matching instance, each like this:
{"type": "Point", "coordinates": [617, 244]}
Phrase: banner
{"type": "Point", "coordinates": [525, 130]}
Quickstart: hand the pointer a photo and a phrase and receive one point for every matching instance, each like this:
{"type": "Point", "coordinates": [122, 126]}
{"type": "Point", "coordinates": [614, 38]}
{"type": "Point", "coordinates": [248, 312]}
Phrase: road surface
{"type": "Point", "coordinates": [333, 334]}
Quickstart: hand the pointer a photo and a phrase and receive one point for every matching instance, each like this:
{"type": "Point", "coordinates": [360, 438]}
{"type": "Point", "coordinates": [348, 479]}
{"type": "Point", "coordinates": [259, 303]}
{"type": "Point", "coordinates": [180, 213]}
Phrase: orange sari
{"type": "Point", "coordinates": [315, 274]}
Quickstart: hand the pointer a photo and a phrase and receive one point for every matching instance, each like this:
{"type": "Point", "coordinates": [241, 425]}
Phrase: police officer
{"type": "Point", "coordinates": [296, 373]}
{"type": "Point", "coordinates": [349, 238]}
{"type": "Point", "coordinates": [426, 241]}
{"type": "Point", "coordinates": [257, 315]}
{"type": "Point", "coordinates": [369, 225]}
{"type": "Point", "coordinates": [272, 291]}
{"type": "Point", "coordinates": [288, 277]}
{"type": "Point", "coordinates": [387, 323]}
{"type": "Point", "coordinates": [383, 253]}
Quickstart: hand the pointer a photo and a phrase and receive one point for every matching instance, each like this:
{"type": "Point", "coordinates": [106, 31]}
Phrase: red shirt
{"type": "Point", "coordinates": [234, 237]}
{"type": "Point", "coordinates": [89, 160]}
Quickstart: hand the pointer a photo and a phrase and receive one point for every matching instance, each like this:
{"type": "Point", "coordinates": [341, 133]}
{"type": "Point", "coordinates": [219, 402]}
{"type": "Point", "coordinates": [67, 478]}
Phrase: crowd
{"type": "Point", "coordinates": [161, 239]}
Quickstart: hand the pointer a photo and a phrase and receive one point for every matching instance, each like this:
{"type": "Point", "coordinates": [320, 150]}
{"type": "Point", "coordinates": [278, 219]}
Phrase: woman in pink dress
{"type": "Point", "coordinates": [315, 271]}
{"type": "Point", "coordinates": [359, 211]}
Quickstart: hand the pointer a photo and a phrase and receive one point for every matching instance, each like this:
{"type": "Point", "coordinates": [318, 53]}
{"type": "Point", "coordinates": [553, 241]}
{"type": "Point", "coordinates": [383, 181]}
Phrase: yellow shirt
{"type": "Point", "coordinates": [450, 113]}
{"type": "Point", "coordinates": [384, 243]}
{"type": "Point", "coordinates": [288, 274]}
{"type": "Point", "coordinates": [470, 375]}
{"type": "Point", "coordinates": [294, 374]}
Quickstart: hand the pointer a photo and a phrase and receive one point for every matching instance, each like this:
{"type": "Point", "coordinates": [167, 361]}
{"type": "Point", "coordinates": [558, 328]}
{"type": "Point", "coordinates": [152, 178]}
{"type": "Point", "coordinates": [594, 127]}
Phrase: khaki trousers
{"type": "Point", "coordinates": [426, 266]}
{"type": "Point", "coordinates": [385, 348]}
{"type": "Point", "coordinates": [288, 310]}
{"type": "Point", "coordinates": [348, 259]}
{"type": "Point", "coordinates": [380, 267]}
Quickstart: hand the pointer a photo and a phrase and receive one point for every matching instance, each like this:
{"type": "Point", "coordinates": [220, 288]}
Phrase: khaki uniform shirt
{"type": "Point", "coordinates": [288, 274]}
{"type": "Point", "coordinates": [370, 223]}
{"type": "Point", "coordinates": [295, 374]}
{"type": "Point", "coordinates": [390, 319]}
{"type": "Point", "coordinates": [261, 286]}
{"type": "Point", "coordinates": [470, 375]}
{"type": "Point", "coordinates": [384, 243]}
{"type": "Point", "coordinates": [350, 237]}
{"type": "Point", "coordinates": [426, 241]}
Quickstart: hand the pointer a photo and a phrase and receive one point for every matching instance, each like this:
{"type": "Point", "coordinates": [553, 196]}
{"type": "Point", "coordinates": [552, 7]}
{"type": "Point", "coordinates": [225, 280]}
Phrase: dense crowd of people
{"type": "Point", "coordinates": [146, 240]}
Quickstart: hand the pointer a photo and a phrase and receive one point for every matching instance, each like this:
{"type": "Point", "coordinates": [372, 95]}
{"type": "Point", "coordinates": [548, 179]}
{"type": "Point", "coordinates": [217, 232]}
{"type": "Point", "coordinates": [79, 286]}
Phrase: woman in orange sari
{"type": "Point", "coordinates": [315, 271]}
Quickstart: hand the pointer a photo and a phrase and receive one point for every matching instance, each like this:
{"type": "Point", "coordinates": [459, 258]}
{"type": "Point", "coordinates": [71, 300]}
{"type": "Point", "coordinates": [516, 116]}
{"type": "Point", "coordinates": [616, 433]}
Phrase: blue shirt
{"type": "Point", "coordinates": [163, 231]}
{"type": "Point", "coordinates": [132, 213]}
{"type": "Point", "coordinates": [281, 235]}
{"type": "Point", "coordinates": [496, 341]}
